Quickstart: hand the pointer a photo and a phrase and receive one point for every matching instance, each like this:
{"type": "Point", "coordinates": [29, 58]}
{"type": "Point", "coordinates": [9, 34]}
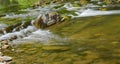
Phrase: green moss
{"type": "Point", "coordinates": [66, 12]}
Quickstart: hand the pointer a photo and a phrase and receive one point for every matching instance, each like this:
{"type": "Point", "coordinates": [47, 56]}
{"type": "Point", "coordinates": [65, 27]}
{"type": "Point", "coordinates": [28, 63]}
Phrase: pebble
{"type": "Point", "coordinates": [5, 59]}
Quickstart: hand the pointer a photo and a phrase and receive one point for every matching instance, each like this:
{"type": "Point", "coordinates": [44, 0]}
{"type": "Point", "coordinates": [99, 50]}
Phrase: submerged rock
{"type": "Point", "coordinates": [55, 48]}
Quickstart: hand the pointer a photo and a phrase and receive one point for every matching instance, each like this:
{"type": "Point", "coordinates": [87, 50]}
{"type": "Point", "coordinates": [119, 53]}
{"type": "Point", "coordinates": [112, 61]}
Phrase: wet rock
{"type": "Point", "coordinates": [4, 42]}
{"type": "Point", "coordinates": [1, 15]}
{"type": "Point", "coordinates": [15, 27]}
{"type": "Point", "coordinates": [5, 46]}
{"type": "Point", "coordinates": [50, 23]}
{"type": "Point", "coordinates": [58, 1]}
{"type": "Point", "coordinates": [38, 3]}
{"type": "Point", "coordinates": [10, 28]}
{"type": "Point", "coordinates": [38, 23]}
{"type": "Point", "coordinates": [46, 20]}
{"type": "Point", "coordinates": [5, 58]}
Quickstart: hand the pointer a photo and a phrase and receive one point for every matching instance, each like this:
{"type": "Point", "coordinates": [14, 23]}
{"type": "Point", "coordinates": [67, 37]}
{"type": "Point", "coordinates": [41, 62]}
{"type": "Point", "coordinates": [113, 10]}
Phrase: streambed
{"type": "Point", "coordinates": [76, 51]}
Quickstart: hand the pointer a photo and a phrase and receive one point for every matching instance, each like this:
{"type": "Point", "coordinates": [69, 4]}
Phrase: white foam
{"type": "Point", "coordinates": [41, 35]}
{"type": "Point", "coordinates": [18, 34]}
{"type": "Point", "coordinates": [69, 6]}
{"type": "Point", "coordinates": [85, 11]}
{"type": "Point", "coordinates": [2, 26]}
{"type": "Point", "coordinates": [90, 12]}
{"type": "Point", "coordinates": [31, 12]}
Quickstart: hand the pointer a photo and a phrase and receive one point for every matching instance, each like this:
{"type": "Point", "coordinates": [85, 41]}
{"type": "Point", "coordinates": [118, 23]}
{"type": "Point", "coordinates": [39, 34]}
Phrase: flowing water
{"type": "Point", "coordinates": [31, 33]}
{"type": "Point", "coordinates": [95, 49]}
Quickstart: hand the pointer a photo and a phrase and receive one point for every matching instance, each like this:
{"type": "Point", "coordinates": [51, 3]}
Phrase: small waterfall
{"type": "Point", "coordinates": [18, 34]}
{"type": "Point", "coordinates": [30, 32]}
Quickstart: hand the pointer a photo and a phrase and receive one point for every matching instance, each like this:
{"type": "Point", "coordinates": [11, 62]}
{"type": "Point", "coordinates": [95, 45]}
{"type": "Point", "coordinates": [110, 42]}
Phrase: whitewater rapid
{"type": "Point", "coordinates": [32, 12]}
{"type": "Point", "coordinates": [2, 26]}
{"type": "Point", "coordinates": [86, 11]}
{"type": "Point", "coordinates": [33, 34]}
{"type": "Point", "coordinates": [90, 12]}
{"type": "Point", "coordinates": [83, 11]}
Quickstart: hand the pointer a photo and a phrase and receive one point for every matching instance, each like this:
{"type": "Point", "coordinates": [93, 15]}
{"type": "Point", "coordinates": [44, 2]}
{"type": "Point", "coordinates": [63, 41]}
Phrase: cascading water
{"type": "Point", "coordinates": [31, 33]}
{"type": "Point", "coordinates": [90, 12]}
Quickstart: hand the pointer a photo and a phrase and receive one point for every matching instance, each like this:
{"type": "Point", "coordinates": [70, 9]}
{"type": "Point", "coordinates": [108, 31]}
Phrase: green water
{"type": "Point", "coordinates": [10, 6]}
{"type": "Point", "coordinates": [93, 40]}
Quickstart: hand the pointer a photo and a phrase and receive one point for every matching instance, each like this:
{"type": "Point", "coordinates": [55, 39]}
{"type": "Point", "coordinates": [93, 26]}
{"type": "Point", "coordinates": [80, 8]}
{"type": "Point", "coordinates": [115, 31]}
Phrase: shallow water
{"type": "Point", "coordinates": [27, 34]}
{"type": "Point", "coordinates": [92, 48]}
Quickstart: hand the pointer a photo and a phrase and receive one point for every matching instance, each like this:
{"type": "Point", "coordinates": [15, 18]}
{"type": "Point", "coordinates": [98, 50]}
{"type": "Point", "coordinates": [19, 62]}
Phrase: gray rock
{"type": "Point", "coordinates": [6, 58]}
{"type": "Point", "coordinates": [2, 62]}
{"type": "Point", "coordinates": [46, 20]}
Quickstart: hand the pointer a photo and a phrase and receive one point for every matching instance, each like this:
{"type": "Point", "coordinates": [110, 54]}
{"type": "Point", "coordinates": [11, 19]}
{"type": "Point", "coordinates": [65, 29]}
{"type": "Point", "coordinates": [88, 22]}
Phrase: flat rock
{"type": "Point", "coordinates": [5, 58]}
{"type": "Point", "coordinates": [2, 63]}
{"type": "Point", "coordinates": [5, 47]}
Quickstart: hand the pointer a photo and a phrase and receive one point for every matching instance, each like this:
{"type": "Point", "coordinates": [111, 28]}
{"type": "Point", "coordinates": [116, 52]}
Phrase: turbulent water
{"type": "Point", "coordinates": [32, 34]}
{"type": "Point", "coordinates": [32, 12]}
{"type": "Point", "coordinates": [2, 26]}
{"type": "Point", "coordinates": [85, 12]}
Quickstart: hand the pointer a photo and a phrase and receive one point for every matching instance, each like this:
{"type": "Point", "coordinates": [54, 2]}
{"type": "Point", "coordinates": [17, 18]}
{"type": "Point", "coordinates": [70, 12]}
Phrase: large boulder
{"type": "Point", "coordinates": [46, 20]}
{"type": "Point", "coordinates": [38, 23]}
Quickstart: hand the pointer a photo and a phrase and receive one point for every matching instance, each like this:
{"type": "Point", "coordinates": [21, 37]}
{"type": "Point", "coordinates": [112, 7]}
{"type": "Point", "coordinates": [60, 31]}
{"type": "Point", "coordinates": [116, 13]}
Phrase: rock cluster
{"type": "Point", "coordinates": [42, 2]}
{"type": "Point", "coordinates": [16, 27]}
{"type": "Point", "coordinates": [48, 19]}
{"type": "Point", "coordinates": [4, 59]}
{"type": "Point", "coordinates": [4, 45]}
